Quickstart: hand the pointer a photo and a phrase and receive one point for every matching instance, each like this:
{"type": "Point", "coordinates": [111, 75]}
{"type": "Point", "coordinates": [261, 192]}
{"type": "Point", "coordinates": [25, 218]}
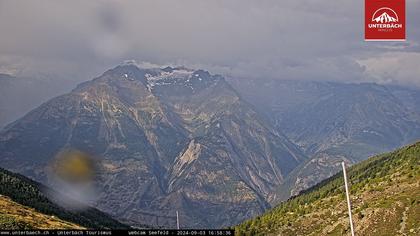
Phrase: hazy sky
{"type": "Point", "coordinates": [288, 39]}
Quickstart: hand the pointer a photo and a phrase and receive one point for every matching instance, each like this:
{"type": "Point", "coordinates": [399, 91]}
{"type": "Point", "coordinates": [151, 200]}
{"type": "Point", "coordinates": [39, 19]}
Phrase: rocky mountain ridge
{"type": "Point", "coordinates": [168, 139]}
{"type": "Point", "coordinates": [334, 122]}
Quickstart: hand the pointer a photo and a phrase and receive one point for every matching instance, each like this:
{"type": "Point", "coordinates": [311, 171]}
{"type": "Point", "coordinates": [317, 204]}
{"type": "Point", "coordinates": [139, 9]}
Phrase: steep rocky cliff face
{"type": "Point", "coordinates": [167, 139]}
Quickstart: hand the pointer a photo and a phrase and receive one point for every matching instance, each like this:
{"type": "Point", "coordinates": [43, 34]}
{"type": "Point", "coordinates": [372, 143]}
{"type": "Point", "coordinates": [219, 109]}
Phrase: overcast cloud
{"type": "Point", "coordinates": [289, 39]}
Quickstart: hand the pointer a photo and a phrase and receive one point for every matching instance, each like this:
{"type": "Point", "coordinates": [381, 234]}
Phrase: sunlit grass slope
{"type": "Point", "coordinates": [385, 195]}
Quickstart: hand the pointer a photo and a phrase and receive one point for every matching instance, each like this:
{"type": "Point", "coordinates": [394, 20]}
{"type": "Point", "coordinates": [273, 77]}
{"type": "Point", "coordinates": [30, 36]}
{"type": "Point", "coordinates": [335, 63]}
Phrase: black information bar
{"type": "Point", "coordinates": [137, 232]}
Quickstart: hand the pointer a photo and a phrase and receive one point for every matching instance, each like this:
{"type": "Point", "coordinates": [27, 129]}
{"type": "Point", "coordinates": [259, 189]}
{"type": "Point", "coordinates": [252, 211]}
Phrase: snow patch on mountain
{"type": "Point", "coordinates": [168, 75]}
{"type": "Point", "coordinates": [171, 76]}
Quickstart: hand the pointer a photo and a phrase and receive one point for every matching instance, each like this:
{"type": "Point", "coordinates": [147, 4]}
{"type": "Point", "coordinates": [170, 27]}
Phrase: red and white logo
{"type": "Point", "coordinates": [384, 20]}
{"type": "Point", "coordinates": [385, 15]}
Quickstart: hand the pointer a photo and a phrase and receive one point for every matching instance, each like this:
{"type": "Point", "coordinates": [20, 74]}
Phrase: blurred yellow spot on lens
{"type": "Point", "coordinates": [74, 166]}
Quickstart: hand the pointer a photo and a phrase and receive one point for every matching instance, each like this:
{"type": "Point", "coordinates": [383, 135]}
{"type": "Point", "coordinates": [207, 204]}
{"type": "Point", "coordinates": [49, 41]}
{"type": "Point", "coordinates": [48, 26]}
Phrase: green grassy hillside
{"type": "Point", "coordinates": [15, 216]}
{"type": "Point", "coordinates": [23, 205]}
{"type": "Point", "coordinates": [385, 195]}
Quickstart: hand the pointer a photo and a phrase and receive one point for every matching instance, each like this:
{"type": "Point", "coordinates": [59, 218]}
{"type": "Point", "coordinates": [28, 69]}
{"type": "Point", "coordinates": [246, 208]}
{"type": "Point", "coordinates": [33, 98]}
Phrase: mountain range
{"type": "Point", "coordinates": [333, 122]}
{"type": "Point", "coordinates": [168, 139]}
{"type": "Point", "coordinates": [218, 151]}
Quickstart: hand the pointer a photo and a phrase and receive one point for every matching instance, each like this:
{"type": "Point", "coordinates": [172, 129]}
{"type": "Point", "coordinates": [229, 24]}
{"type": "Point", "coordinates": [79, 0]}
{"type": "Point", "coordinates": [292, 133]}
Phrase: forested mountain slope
{"type": "Point", "coordinates": [25, 206]}
{"type": "Point", "coordinates": [385, 195]}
